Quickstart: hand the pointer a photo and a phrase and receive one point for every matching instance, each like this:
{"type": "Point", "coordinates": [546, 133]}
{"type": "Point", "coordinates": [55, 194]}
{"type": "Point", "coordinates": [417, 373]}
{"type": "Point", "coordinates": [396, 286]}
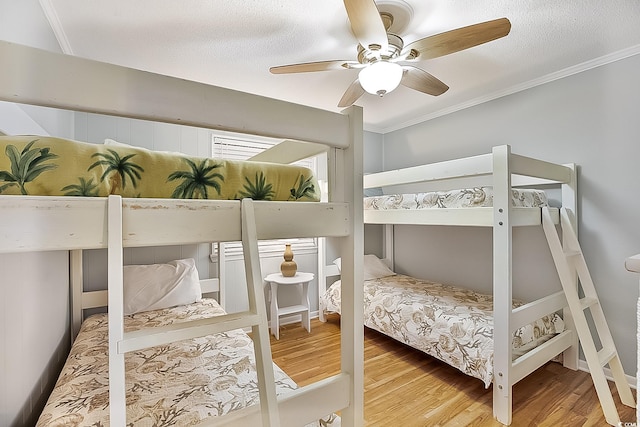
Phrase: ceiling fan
{"type": "Point", "coordinates": [380, 53]}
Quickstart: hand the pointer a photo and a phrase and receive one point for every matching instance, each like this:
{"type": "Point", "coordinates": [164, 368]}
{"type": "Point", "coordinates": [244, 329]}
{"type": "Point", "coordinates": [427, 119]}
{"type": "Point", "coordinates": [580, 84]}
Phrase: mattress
{"type": "Point", "coordinates": [461, 198]}
{"type": "Point", "coordinates": [452, 324]}
{"type": "Point", "coordinates": [46, 166]}
{"type": "Point", "coordinates": [177, 384]}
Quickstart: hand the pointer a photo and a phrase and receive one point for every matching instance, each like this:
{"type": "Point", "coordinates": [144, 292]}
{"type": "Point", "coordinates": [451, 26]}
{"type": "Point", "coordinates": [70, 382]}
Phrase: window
{"type": "Point", "coordinates": [241, 149]}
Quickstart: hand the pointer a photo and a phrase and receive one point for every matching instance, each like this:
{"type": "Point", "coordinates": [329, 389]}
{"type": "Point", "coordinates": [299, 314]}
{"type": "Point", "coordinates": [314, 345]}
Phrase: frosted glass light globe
{"type": "Point", "coordinates": [380, 77]}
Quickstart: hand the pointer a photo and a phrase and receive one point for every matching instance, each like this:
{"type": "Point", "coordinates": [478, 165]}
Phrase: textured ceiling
{"type": "Point", "coordinates": [232, 43]}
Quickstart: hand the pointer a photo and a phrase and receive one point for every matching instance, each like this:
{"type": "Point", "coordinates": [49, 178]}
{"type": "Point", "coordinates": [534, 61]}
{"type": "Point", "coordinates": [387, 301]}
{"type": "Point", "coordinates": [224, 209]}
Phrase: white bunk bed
{"type": "Point", "coordinates": [502, 170]}
{"type": "Point", "coordinates": [78, 223]}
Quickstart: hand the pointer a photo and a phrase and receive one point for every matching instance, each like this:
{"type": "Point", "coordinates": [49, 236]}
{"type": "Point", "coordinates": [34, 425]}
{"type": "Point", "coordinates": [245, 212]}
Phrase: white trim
{"type": "Point", "coordinates": [56, 26]}
{"type": "Point", "coordinates": [582, 366]}
{"type": "Point", "coordinates": [569, 71]}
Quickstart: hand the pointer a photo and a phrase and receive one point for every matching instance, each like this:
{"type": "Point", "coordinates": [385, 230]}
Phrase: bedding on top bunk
{"type": "Point", "coordinates": [176, 384]}
{"type": "Point", "coordinates": [461, 198]}
{"type": "Point", "coordinates": [452, 324]}
{"type": "Point", "coordinates": [47, 166]}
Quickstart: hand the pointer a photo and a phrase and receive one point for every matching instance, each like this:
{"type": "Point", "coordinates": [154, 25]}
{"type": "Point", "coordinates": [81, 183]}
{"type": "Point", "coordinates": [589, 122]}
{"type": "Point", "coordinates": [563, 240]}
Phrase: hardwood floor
{"type": "Point", "coordinates": [404, 387]}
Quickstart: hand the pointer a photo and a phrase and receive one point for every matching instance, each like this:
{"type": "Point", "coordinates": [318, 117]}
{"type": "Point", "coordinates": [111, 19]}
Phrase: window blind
{"type": "Point", "coordinates": [243, 149]}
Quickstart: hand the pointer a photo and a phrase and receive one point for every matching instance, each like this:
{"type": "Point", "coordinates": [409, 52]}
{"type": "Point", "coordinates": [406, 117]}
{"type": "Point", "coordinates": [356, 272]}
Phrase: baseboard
{"type": "Point", "coordinates": [582, 365]}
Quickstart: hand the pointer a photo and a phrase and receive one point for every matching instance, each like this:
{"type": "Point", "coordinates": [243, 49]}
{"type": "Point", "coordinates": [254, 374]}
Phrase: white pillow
{"type": "Point", "coordinates": [375, 268]}
{"type": "Point", "coordinates": [118, 143]}
{"type": "Point", "coordinates": [338, 263]}
{"type": "Point", "coordinates": [156, 286]}
{"type": "Point", "coordinates": [114, 143]}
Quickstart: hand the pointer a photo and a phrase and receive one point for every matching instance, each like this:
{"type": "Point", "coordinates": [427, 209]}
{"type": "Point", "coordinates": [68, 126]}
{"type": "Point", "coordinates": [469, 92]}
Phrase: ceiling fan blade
{"type": "Point", "coordinates": [366, 23]}
{"type": "Point", "coordinates": [420, 80]}
{"type": "Point", "coordinates": [459, 39]}
{"type": "Point", "coordinates": [351, 95]}
{"type": "Point", "coordinates": [313, 66]}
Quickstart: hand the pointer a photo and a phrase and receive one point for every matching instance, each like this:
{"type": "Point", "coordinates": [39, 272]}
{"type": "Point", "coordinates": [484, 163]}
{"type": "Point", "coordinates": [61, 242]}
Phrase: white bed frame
{"type": "Point", "coordinates": [73, 223]}
{"type": "Point", "coordinates": [632, 264]}
{"type": "Point", "coordinates": [503, 170]}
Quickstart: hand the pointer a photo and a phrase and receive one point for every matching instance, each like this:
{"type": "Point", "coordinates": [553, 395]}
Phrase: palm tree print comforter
{"type": "Point", "coordinates": [47, 166]}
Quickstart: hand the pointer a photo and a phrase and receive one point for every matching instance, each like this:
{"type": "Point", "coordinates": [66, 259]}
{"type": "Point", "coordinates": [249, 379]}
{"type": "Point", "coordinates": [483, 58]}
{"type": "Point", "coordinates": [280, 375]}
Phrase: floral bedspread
{"type": "Point", "coordinates": [463, 198]}
{"type": "Point", "coordinates": [170, 385]}
{"type": "Point", "coordinates": [47, 166]}
{"type": "Point", "coordinates": [452, 324]}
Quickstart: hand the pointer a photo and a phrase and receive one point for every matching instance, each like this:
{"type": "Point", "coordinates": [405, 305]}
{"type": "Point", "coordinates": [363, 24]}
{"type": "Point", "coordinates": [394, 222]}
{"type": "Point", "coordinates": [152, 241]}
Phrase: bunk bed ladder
{"type": "Point", "coordinates": [570, 262]}
{"type": "Point", "coordinates": [255, 317]}
{"type": "Point", "coordinates": [260, 329]}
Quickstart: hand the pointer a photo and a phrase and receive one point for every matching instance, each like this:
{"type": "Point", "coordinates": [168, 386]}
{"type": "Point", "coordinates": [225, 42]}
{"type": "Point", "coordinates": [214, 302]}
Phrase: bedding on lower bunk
{"type": "Point", "coordinates": [47, 166]}
{"type": "Point", "coordinates": [462, 198]}
{"type": "Point", "coordinates": [177, 384]}
{"type": "Point", "coordinates": [452, 324]}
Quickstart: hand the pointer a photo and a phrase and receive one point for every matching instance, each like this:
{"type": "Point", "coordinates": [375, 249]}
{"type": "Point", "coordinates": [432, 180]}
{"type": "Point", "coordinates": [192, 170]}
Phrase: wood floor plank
{"type": "Point", "coordinates": [405, 387]}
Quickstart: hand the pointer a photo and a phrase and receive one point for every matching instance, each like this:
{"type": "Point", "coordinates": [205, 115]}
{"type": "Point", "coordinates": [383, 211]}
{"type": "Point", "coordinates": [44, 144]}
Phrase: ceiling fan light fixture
{"type": "Point", "coordinates": [380, 77]}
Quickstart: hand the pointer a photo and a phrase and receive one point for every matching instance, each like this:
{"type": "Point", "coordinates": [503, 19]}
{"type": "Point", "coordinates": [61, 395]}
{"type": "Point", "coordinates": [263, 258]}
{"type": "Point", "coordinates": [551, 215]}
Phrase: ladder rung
{"type": "Point", "coordinates": [588, 302]}
{"type": "Point", "coordinates": [570, 254]}
{"type": "Point", "coordinates": [605, 355]}
{"type": "Point", "coordinates": [150, 337]}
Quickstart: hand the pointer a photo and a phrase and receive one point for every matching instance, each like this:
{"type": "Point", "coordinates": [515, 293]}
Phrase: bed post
{"type": "Point", "coordinates": [389, 255]}
{"type": "Point", "coordinates": [345, 165]}
{"type": "Point", "coordinates": [322, 255]}
{"type": "Point", "coordinates": [259, 331]}
{"type": "Point", "coordinates": [570, 200]}
{"type": "Point", "coordinates": [76, 288]}
{"type": "Point", "coordinates": [502, 278]}
{"type": "Point", "coordinates": [222, 274]}
{"type": "Point", "coordinates": [117, 393]}
{"type": "Point", "coordinates": [322, 275]}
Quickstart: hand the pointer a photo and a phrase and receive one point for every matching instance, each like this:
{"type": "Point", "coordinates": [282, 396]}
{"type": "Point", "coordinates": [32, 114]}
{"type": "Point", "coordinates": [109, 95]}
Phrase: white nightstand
{"type": "Point", "coordinates": [300, 279]}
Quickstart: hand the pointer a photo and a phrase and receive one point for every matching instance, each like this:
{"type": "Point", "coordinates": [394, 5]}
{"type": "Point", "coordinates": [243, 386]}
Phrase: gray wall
{"type": "Point", "coordinates": [24, 22]}
{"type": "Point", "coordinates": [373, 162]}
{"type": "Point", "coordinates": [34, 332]}
{"type": "Point", "coordinates": [592, 119]}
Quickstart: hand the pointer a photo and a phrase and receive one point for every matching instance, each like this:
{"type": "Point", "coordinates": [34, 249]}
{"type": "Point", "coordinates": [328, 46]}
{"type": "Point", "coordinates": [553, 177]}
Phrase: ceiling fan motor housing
{"type": "Point", "coordinates": [368, 55]}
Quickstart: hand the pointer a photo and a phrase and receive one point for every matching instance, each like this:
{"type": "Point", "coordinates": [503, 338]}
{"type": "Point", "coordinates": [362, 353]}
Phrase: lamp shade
{"type": "Point", "coordinates": [380, 77]}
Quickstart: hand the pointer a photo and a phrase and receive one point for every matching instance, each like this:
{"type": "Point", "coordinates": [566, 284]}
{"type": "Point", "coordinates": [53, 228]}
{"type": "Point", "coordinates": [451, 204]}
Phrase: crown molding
{"type": "Point", "coordinates": [570, 71]}
{"type": "Point", "coordinates": [56, 26]}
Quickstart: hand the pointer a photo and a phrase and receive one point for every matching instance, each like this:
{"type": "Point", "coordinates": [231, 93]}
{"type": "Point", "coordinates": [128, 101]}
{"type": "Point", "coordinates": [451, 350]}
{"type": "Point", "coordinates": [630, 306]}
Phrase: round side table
{"type": "Point", "coordinates": [301, 279]}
